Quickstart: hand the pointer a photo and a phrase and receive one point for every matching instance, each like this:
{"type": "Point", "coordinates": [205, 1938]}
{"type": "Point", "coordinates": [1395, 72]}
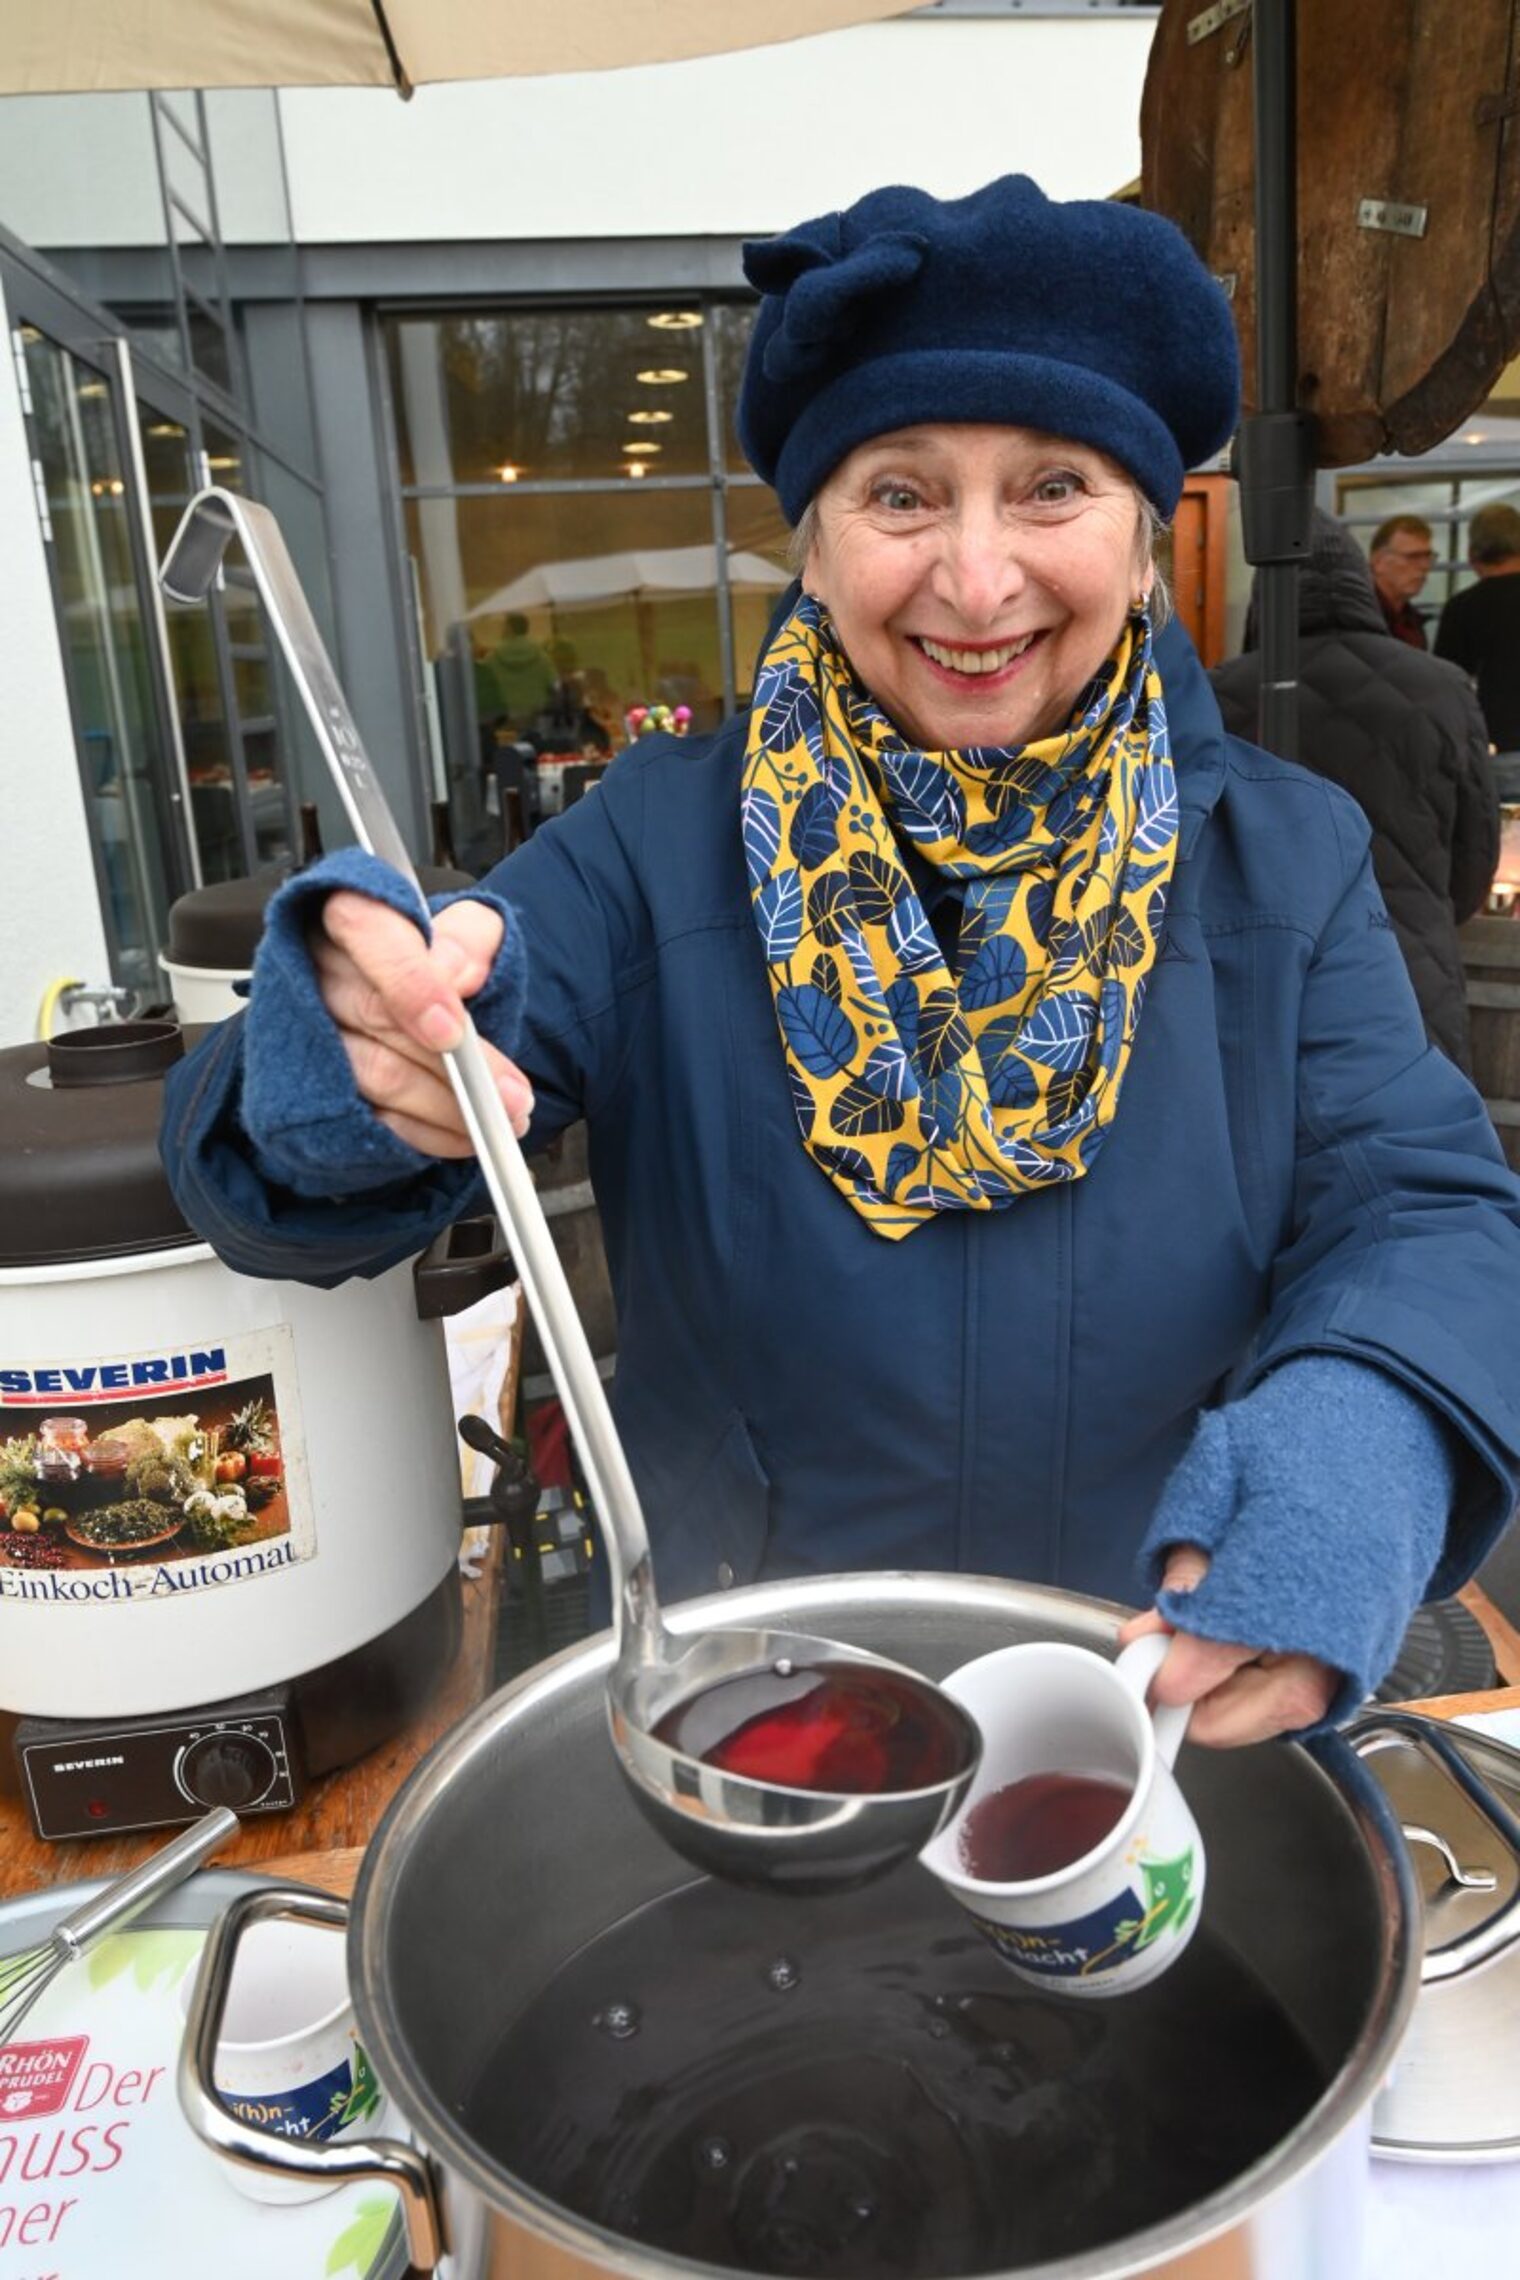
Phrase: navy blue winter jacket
{"type": "Point", "coordinates": [1292, 1170]}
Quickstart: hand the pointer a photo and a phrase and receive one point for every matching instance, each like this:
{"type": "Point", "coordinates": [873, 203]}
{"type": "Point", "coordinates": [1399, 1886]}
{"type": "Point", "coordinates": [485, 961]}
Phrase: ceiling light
{"type": "Point", "coordinates": [649, 419]}
{"type": "Point", "coordinates": [165, 427]}
{"type": "Point", "coordinates": [636, 467]}
{"type": "Point", "coordinates": [674, 320]}
{"type": "Point", "coordinates": [507, 474]}
{"type": "Point", "coordinates": [642, 450]}
{"type": "Point", "coordinates": [228, 459]}
{"type": "Point", "coordinates": [661, 376]}
{"type": "Point", "coordinates": [92, 388]}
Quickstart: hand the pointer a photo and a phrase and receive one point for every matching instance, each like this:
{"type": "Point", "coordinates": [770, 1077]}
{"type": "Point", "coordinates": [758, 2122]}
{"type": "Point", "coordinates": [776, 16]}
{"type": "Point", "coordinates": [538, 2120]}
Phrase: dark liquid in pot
{"type": "Point", "coordinates": [1039, 1825]}
{"type": "Point", "coordinates": [832, 1726]}
{"type": "Point", "coordinates": [855, 2087]}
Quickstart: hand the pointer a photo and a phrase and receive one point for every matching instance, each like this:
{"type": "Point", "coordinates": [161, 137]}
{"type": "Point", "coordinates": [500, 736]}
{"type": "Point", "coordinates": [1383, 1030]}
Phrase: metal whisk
{"type": "Point", "coordinates": [25, 1977]}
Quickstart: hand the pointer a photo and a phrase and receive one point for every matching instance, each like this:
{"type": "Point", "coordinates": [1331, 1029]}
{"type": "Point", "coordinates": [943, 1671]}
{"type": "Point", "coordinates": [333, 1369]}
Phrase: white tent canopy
{"type": "Point", "coordinates": [82, 46]}
{"type": "Point", "coordinates": [653, 574]}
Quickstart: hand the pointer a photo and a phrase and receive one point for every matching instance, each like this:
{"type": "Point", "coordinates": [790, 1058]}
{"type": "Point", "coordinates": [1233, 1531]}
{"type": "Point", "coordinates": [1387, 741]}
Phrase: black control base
{"type": "Point", "coordinates": [107, 1776]}
{"type": "Point", "coordinates": [323, 1720]}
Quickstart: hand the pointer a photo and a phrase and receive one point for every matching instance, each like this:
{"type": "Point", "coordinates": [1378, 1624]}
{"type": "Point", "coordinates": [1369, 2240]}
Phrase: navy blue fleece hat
{"type": "Point", "coordinates": [1090, 320]}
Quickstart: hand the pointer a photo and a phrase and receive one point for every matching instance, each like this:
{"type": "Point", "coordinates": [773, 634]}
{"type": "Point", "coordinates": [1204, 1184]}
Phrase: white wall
{"type": "Point", "coordinates": [79, 170]}
{"type": "Point", "coordinates": [725, 144]}
{"type": "Point", "coordinates": [49, 913]}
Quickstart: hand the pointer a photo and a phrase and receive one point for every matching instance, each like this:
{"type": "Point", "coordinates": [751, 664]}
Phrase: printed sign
{"type": "Point", "coordinates": [151, 1476]}
{"type": "Point", "coordinates": [101, 2177]}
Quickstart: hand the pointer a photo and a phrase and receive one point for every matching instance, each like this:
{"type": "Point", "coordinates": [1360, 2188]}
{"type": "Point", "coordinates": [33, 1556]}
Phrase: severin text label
{"type": "Point", "coordinates": [107, 1381]}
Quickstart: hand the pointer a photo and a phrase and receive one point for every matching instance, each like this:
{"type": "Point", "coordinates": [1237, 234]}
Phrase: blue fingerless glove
{"type": "Point", "coordinates": [308, 1128]}
{"type": "Point", "coordinates": [1322, 1498]}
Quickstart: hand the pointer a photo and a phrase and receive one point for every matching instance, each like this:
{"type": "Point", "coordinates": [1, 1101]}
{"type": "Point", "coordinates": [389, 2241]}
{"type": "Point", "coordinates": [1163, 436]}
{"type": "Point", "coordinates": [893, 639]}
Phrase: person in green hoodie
{"type": "Point", "coordinates": [523, 672]}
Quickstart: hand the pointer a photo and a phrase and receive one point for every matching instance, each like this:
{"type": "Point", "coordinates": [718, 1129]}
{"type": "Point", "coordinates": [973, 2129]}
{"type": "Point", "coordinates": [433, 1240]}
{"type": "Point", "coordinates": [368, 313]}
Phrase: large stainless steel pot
{"type": "Point", "coordinates": [516, 1842]}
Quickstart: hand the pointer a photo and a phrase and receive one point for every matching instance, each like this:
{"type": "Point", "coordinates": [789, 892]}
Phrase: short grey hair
{"type": "Point", "coordinates": [799, 542]}
{"type": "Point", "coordinates": [1151, 531]}
{"type": "Point", "coordinates": [1493, 535]}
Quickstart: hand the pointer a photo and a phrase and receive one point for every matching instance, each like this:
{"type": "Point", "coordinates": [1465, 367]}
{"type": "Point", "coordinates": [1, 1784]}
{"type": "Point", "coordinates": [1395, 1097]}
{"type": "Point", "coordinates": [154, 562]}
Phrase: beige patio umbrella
{"type": "Point", "coordinates": [84, 46]}
{"type": "Point", "coordinates": [647, 574]}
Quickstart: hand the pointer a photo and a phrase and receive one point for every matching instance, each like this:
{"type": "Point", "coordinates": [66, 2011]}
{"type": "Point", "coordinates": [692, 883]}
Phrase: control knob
{"type": "Point", "coordinates": [228, 1769]}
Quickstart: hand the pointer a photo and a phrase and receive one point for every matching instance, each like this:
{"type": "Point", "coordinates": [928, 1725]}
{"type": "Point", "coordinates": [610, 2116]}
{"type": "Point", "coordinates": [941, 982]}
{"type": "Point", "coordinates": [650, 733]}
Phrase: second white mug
{"type": "Point", "coordinates": [288, 2058]}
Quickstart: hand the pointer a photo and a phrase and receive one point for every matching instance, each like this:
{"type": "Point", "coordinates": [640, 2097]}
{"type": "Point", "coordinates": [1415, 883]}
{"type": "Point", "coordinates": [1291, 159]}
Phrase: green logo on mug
{"type": "Point", "coordinates": [1168, 1905]}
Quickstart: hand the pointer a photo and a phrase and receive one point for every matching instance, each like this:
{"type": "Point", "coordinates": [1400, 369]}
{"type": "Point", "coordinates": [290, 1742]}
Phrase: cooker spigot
{"type": "Point", "coordinates": [513, 1493]}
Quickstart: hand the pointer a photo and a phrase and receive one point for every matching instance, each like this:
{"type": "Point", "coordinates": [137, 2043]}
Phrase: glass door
{"type": "Point", "coordinates": [125, 754]}
{"type": "Point", "coordinates": [241, 801]}
{"type": "Point", "coordinates": [197, 655]}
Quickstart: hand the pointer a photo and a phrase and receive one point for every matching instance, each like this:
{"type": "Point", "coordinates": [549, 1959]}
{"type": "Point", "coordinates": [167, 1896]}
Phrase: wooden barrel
{"type": "Point", "coordinates": [1408, 201]}
{"type": "Point", "coordinates": [1491, 957]}
{"type": "Point", "coordinates": [563, 1181]}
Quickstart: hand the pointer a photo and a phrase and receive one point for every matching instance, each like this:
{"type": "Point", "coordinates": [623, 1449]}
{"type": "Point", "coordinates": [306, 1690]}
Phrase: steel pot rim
{"type": "Point", "coordinates": [1349, 2092]}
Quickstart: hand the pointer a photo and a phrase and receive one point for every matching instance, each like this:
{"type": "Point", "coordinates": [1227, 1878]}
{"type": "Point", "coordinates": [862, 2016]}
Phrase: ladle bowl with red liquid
{"type": "Point", "coordinates": [791, 1762]}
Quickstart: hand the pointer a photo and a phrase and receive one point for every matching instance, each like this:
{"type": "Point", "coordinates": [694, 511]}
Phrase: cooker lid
{"type": "Point", "coordinates": [219, 926]}
{"type": "Point", "coordinates": [80, 1176]}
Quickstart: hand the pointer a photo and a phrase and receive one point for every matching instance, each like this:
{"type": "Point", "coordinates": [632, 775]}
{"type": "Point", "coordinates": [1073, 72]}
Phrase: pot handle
{"type": "Point", "coordinates": [386, 2160]}
{"type": "Point", "coordinates": [1381, 1729]}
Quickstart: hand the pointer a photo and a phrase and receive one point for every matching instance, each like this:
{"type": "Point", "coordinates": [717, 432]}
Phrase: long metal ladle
{"type": "Point", "coordinates": [756, 1832]}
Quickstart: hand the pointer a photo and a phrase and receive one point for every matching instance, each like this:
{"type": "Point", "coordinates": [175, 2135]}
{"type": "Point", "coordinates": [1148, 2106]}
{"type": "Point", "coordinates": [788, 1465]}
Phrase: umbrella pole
{"type": "Point", "coordinates": [1275, 454]}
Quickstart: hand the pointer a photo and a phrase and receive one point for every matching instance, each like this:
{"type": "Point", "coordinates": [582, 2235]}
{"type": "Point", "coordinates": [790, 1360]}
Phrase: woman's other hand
{"type": "Point", "coordinates": [398, 1002]}
{"type": "Point", "coordinates": [1239, 1694]}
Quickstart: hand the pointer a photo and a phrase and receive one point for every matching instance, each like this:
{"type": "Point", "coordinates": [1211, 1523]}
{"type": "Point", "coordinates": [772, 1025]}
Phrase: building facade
{"type": "Point", "coordinates": [479, 353]}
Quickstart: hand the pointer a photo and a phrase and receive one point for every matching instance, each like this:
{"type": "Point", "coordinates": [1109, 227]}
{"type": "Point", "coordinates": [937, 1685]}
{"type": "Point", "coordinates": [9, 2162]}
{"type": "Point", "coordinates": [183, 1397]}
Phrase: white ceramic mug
{"type": "Point", "coordinates": [288, 2058]}
{"type": "Point", "coordinates": [1120, 1914]}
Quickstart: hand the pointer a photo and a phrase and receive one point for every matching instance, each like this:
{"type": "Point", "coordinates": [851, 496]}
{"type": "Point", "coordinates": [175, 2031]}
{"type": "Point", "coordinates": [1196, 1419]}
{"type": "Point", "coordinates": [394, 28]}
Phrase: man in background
{"type": "Point", "coordinates": [1403, 735]}
{"type": "Point", "coordinates": [1480, 631]}
{"type": "Point", "coordinates": [1401, 555]}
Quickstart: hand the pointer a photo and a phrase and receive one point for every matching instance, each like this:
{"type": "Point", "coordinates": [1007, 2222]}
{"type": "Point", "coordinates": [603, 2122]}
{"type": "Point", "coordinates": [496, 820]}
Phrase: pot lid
{"type": "Point", "coordinates": [219, 926]}
{"type": "Point", "coordinates": [80, 1176]}
{"type": "Point", "coordinates": [1455, 2094]}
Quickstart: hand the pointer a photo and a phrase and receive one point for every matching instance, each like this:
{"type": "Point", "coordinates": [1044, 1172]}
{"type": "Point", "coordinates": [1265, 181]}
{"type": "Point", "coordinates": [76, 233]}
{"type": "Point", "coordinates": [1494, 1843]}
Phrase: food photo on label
{"type": "Point", "coordinates": [141, 1479]}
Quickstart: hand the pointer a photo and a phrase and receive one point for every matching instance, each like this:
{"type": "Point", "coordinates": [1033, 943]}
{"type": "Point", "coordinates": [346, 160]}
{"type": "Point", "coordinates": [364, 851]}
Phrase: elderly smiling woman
{"type": "Point", "coordinates": [1014, 1132]}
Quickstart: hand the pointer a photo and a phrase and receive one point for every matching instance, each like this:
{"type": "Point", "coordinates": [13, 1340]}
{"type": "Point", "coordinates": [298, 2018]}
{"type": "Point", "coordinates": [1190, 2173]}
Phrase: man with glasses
{"type": "Point", "coordinates": [1401, 555]}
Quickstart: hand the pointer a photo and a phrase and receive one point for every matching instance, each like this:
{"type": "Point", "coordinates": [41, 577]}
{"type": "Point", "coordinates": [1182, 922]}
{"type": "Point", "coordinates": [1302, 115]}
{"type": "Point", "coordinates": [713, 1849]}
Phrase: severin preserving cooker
{"type": "Point", "coordinates": [229, 1509]}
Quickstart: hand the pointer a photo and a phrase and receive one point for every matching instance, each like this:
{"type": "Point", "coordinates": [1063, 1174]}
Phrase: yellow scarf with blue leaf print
{"type": "Point", "coordinates": [924, 1085]}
